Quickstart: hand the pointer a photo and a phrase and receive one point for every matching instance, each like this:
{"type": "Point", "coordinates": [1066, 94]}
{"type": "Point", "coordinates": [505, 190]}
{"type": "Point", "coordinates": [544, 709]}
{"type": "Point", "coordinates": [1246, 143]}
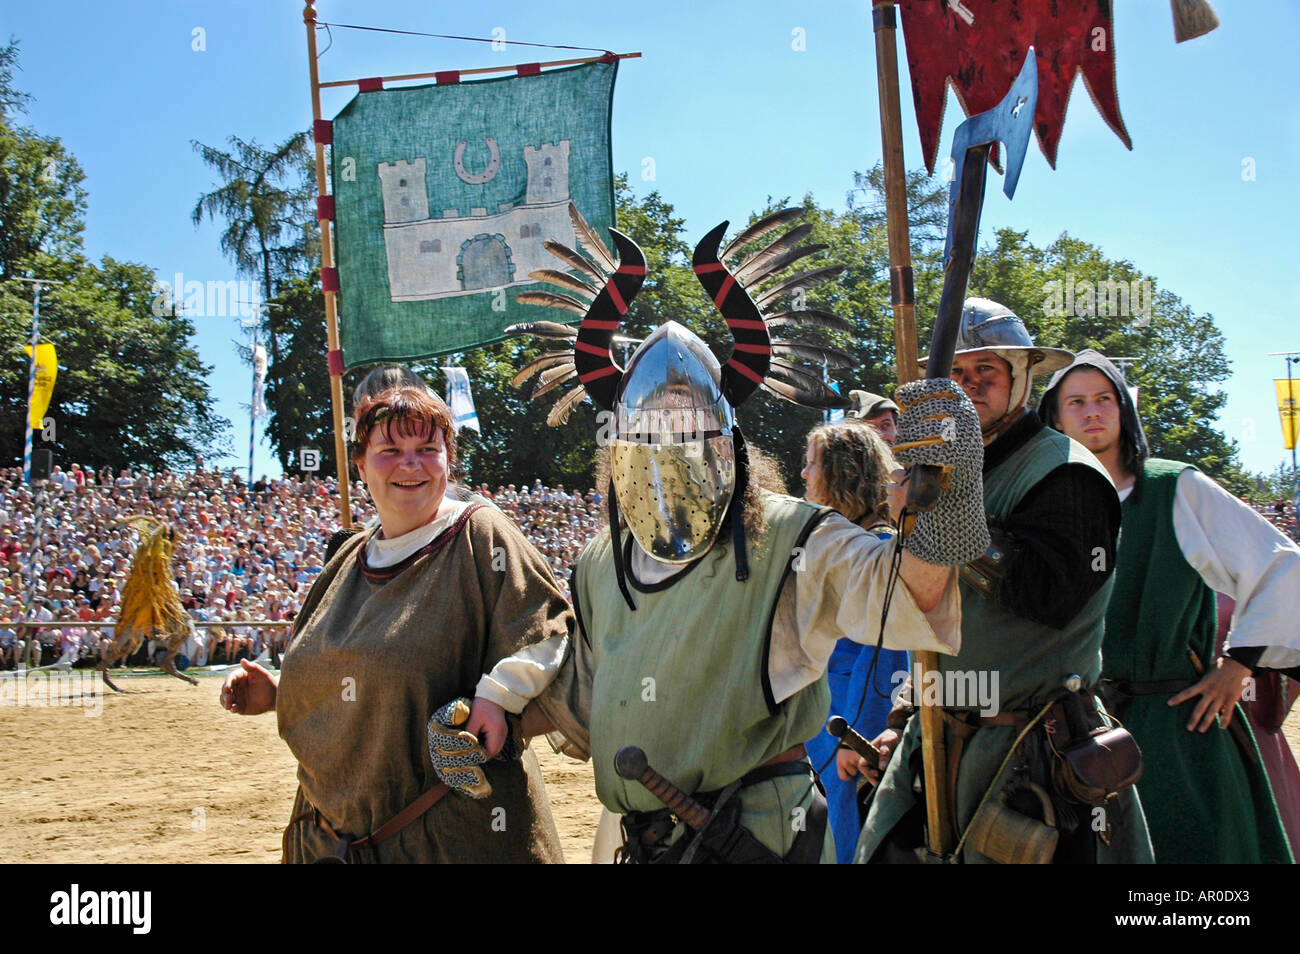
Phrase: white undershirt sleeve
{"type": "Point", "coordinates": [837, 590]}
{"type": "Point", "coordinates": [1238, 552]}
{"type": "Point", "coordinates": [516, 679]}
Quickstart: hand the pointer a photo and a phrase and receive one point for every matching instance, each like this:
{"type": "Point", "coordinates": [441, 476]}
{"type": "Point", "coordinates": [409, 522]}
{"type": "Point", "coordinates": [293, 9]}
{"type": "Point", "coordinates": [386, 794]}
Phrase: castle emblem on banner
{"type": "Point", "coordinates": [463, 251]}
{"type": "Point", "coordinates": [444, 195]}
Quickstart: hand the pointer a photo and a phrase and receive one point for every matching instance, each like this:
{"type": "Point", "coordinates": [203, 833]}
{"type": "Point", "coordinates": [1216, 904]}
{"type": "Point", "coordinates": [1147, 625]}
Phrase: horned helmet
{"type": "Point", "coordinates": [677, 459]}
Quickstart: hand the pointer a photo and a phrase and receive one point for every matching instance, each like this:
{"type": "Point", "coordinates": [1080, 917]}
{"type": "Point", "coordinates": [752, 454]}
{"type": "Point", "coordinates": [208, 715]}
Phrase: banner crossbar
{"type": "Point", "coordinates": [485, 70]}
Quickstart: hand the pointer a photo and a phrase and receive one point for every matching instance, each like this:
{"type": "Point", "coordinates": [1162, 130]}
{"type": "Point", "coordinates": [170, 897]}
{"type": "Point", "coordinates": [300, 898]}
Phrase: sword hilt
{"type": "Point", "coordinates": [631, 763]}
{"type": "Point", "coordinates": [839, 727]}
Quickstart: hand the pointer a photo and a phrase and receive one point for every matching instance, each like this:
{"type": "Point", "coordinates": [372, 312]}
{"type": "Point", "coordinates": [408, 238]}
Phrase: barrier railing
{"type": "Point", "coordinates": [112, 624]}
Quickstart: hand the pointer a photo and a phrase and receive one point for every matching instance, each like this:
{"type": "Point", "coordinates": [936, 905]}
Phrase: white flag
{"type": "Point", "coordinates": [460, 400]}
{"type": "Point", "coordinates": [831, 415]}
{"type": "Point", "coordinates": [259, 381]}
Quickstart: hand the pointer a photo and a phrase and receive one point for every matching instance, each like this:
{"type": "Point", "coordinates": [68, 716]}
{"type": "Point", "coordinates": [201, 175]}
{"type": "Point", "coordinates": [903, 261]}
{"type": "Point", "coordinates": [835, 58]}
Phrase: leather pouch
{"type": "Point", "coordinates": [1092, 764]}
{"type": "Point", "coordinates": [986, 571]}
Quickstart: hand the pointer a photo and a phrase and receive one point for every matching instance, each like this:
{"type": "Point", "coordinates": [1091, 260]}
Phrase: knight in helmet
{"type": "Point", "coordinates": [709, 607]}
{"type": "Point", "coordinates": [1033, 608]}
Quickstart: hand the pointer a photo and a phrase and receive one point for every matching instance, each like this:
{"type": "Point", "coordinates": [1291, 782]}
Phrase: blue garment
{"type": "Point", "coordinates": [851, 695]}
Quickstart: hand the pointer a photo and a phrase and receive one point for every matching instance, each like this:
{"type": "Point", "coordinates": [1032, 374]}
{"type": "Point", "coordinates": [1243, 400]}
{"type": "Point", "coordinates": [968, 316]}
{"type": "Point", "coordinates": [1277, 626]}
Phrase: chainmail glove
{"type": "Point", "coordinates": [456, 754]}
{"type": "Point", "coordinates": [939, 426]}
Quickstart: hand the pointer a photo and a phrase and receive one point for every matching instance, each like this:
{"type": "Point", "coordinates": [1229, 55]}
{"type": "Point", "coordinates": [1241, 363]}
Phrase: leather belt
{"type": "Point", "coordinates": [389, 828]}
{"type": "Point", "coordinates": [1019, 719]}
{"type": "Point", "coordinates": [960, 725]}
{"type": "Point", "coordinates": [761, 773]}
{"type": "Point", "coordinates": [1152, 687]}
{"type": "Point", "coordinates": [792, 754]}
{"type": "Point", "coordinates": [651, 828]}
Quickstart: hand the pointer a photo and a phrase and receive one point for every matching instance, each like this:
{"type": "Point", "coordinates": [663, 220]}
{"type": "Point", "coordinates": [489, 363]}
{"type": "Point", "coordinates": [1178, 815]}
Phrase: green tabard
{"type": "Point", "coordinates": [1206, 801]}
{"type": "Point", "coordinates": [1031, 662]}
{"type": "Point", "coordinates": [685, 676]}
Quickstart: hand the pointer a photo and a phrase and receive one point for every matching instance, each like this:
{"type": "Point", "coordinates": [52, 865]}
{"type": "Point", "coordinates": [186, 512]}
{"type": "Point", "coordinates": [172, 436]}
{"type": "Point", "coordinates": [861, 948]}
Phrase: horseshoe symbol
{"type": "Point", "coordinates": [492, 168]}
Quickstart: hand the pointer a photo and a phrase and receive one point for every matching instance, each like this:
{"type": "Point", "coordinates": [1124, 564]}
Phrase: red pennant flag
{"type": "Point", "coordinates": [979, 46]}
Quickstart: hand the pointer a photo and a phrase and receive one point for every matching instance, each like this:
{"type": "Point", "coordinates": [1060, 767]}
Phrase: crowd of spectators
{"type": "Point", "coordinates": [559, 524]}
{"type": "Point", "coordinates": [1281, 514]}
{"type": "Point", "coordinates": [242, 553]}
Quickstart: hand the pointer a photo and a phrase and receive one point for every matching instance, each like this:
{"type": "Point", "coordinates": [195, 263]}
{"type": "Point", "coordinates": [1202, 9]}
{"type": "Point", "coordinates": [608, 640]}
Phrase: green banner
{"type": "Point", "coordinates": [443, 196]}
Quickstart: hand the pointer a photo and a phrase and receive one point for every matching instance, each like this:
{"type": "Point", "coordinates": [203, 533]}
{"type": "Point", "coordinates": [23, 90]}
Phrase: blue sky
{"type": "Point", "coordinates": [730, 112]}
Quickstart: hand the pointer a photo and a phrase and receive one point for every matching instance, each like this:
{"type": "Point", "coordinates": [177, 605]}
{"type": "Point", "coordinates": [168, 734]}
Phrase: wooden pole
{"type": "Point", "coordinates": [883, 16]}
{"type": "Point", "coordinates": [331, 298]}
{"type": "Point", "coordinates": [901, 294]}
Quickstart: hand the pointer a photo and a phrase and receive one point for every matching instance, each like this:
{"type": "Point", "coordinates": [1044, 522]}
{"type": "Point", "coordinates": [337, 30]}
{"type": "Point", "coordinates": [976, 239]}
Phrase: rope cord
{"type": "Point", "coordinates": [895, 566]}
{"type": "Point", "coordinates": [472, 39]}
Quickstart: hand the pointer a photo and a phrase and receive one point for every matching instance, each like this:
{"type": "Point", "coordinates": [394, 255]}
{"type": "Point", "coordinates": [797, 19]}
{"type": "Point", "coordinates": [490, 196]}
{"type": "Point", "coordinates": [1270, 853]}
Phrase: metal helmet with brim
{"type": "Point", "coordinates": [987, 325]}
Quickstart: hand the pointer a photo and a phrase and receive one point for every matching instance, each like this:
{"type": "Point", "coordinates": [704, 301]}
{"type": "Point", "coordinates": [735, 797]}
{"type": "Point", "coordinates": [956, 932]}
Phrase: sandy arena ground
{"type": "Point", "coordinates": [164, 774]}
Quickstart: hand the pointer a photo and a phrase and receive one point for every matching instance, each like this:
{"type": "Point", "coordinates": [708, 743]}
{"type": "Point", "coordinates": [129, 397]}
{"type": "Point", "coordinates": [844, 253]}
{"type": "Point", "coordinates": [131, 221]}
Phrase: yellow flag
{"type": "Point", "coordinates": [47, 368]}
{"type": "Point", "coordinates": [1288, 407]}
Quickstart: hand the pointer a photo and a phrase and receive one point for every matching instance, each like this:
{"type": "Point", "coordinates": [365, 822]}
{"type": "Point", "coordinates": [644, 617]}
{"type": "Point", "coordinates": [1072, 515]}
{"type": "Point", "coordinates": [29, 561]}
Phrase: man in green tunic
{"type": "Point", "coordinates": [1031, 622]}
{"type": "Point", "coordinates": [704, 632]}
{"type": "Point", "coordinates": [720, 679]}
{"type": "Point", "coordinates": [1206, 793]}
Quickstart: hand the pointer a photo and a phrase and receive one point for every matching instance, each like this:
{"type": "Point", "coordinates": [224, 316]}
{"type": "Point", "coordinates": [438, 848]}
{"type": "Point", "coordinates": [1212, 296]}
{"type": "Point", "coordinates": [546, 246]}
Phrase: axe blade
{"type": "Point", "coordinates": [1010, 122]}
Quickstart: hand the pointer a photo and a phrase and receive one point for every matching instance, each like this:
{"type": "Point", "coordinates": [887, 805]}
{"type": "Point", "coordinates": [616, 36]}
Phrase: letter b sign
{"type": "Point", "coordinates": [309, 459]}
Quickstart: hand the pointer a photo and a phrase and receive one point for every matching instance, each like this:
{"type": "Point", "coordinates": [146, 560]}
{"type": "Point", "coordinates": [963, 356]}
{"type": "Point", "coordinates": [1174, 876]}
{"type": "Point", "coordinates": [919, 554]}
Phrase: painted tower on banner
{"type": "Point", "coordinates": [443, 255]}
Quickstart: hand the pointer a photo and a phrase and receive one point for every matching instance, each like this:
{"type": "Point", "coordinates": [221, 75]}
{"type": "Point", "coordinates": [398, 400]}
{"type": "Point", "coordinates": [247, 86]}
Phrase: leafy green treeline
{"type": "Point", "coordinates": [131, 391]}
{"type": "Point", "coordinates": [1145, 322]}
{"type": "Point", "coordinates": [1155, 327]}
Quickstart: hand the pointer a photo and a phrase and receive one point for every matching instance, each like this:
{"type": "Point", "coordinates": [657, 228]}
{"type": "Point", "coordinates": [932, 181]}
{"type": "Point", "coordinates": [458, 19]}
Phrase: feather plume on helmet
{"type": "Point", "coordinates": [679, 467]}
{"type": "Point", "coordinates": [600, 288]}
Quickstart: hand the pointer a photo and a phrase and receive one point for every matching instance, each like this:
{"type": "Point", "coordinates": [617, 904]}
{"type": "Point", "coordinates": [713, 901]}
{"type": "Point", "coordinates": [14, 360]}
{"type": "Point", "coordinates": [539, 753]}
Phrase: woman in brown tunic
{"type": "Point", "coordinates": [444, 600]}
